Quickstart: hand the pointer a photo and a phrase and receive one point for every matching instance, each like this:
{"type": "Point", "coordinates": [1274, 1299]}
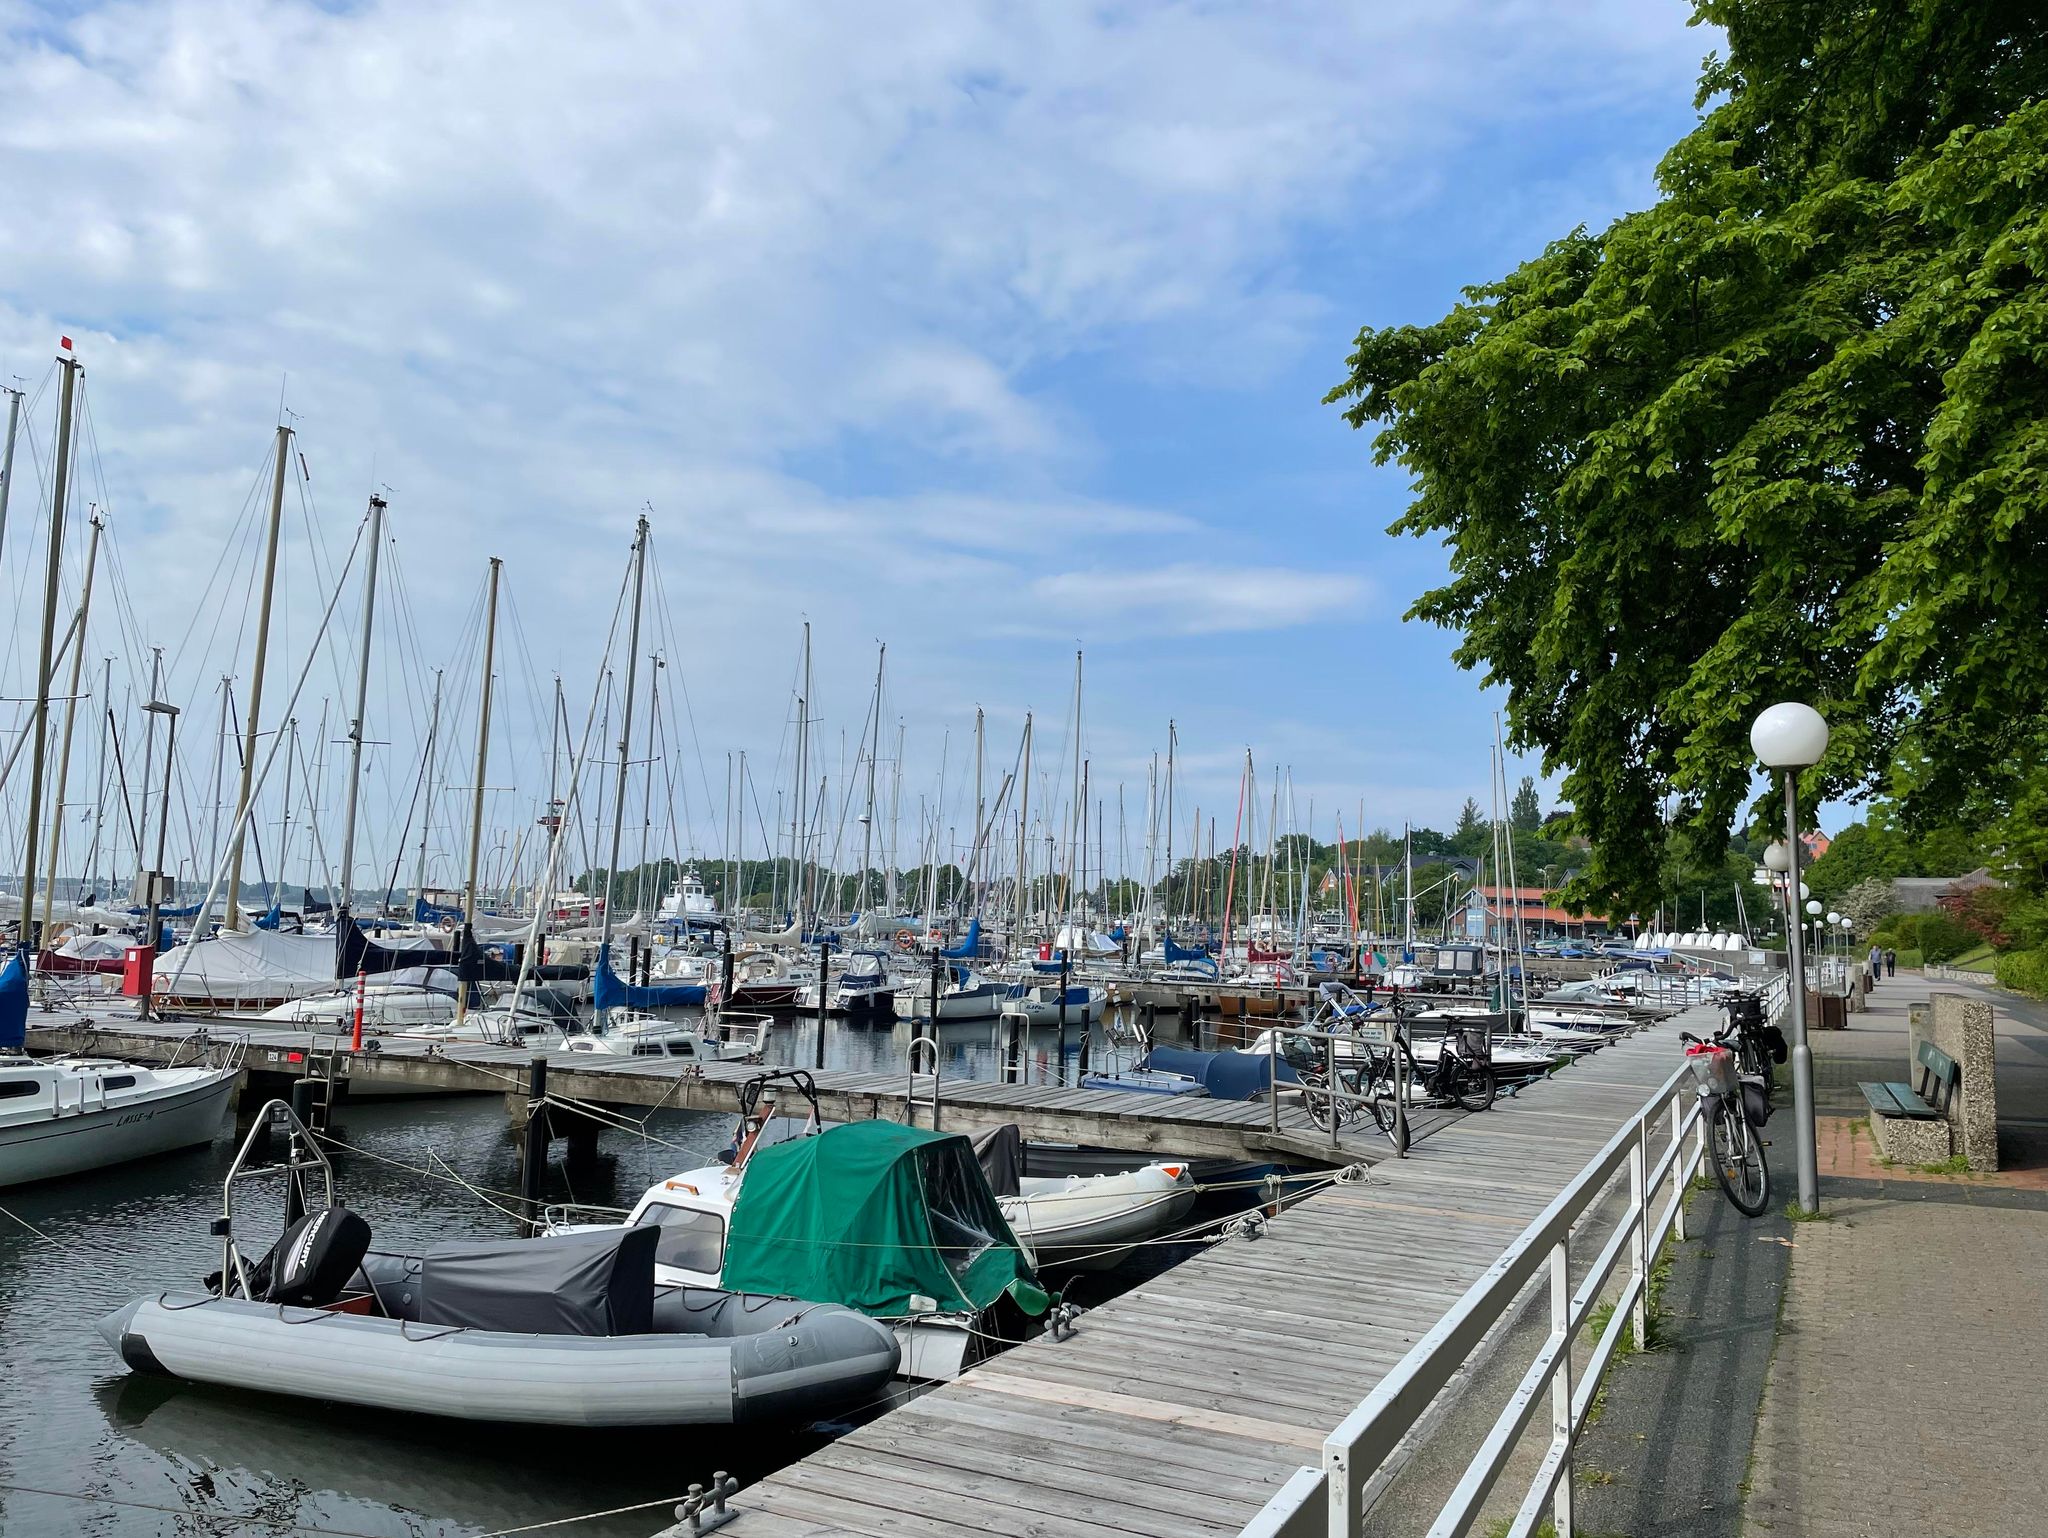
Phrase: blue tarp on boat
{"type": "Point", "coordinates": [14, 1003]}
{"type": "Point", "coordinates": [970, 943]}
{"type": "Point", "coordinates": [609, 991]}
{"type": "Point", "coordinates": [1225, 1075]}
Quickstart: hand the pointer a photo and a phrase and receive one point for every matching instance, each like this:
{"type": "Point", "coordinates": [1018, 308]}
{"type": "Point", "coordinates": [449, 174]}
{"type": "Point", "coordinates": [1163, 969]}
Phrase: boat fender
{"type": "Point", "coordinates": [317, 1256]}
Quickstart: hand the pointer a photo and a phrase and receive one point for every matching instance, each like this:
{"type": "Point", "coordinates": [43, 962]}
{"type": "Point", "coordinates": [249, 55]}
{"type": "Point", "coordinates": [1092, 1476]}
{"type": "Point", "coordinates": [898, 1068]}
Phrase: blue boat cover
{"type": "Point", "coordinates": [14, 1003]}
{"type": "Point", "coordinates": [970, 943]}
{"type": "Point", "coordinates": [1226, 1075]}
{"type": "Point", "coordinates": [608, 991]}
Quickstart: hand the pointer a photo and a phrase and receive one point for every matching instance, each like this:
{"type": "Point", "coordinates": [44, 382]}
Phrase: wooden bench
{"type": "Point", "coordinates": [1928, 1098]}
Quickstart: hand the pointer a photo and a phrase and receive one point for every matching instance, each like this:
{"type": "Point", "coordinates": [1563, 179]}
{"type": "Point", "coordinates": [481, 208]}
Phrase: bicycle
{"type": "Point", "coordinates": [1733, 1132]}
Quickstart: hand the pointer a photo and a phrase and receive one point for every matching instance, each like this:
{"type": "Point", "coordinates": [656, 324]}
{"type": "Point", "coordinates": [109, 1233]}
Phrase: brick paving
{"type": "Point", "coordinates": [1905, 1394]}
{"type": "Point", "coordinates": [1904, 1397]}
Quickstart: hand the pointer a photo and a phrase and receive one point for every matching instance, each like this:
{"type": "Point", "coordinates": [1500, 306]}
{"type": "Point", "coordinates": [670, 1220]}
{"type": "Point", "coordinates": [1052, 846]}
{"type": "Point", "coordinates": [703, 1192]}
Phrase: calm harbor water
{"type": "Point", "coordinates": [87, 1447]}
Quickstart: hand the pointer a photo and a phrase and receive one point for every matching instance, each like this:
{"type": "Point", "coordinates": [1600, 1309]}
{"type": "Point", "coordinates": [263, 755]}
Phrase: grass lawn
{"type": "Point", "coordinates": [1977, 959]}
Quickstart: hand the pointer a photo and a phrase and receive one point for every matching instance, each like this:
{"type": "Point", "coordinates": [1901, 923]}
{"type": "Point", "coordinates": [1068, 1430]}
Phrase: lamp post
{"type": "Point", "coordinates": [153, 924]}
{"type": "Point", "coordinates": [1787, 738]}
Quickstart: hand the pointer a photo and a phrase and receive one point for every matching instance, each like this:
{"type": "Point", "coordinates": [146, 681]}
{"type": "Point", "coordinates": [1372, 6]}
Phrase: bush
{"type": "Point", "coordinates": [1899, 931]}
{"type": "Point", "coordinates": [1943, 937]}
{"type": "Point", "coordinates": [2023, 972]}
{"type": "Point", "coordinates": [1910, 958]}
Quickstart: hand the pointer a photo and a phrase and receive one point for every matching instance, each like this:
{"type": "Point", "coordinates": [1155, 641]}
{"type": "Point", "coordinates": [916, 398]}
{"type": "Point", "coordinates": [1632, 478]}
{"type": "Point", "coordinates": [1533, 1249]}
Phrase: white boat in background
{"type": "Point", "coordinates": [687, 900]}
{"type": "Point", "coordinates": [1039, 1003]}
{"type": "Point", "coordinates": [964, 994]}
{"type": "Point", "coordinates": [60, 1116]}
{"type": "Point", "coordinates": [626, 1034]}
{"type": "Point", "coordinates": [386, 1007]}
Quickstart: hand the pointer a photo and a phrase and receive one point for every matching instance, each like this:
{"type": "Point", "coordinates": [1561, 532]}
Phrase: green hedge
{"type": "Point", "coordinates": [1911, 958]}
{"type": "Point", "coordinates": [1941, 938]}
{"type": "Point", "coordinates": [2024, 972]}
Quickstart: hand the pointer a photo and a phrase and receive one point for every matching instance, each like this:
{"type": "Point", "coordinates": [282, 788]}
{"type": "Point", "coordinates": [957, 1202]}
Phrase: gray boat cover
{"type": "Point", "coordinates": [1001, 1152]}
{"type": "Point", "coordinates": [599, 1283]}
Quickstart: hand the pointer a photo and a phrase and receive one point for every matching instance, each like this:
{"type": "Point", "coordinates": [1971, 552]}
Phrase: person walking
{"type": "Point", "coordinates": [1891, 962]}
{"type": "Point", "coordinates": [1876, 963]}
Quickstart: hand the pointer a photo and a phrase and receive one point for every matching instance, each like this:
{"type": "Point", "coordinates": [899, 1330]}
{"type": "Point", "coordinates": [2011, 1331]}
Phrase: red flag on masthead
{"type": "Point", "coordinates": [64, 342]}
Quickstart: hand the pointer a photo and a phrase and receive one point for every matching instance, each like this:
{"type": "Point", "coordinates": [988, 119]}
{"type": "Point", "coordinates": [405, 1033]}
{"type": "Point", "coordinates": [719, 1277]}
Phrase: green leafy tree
{"type": "Point", "coordinates": [1782, 435]}
{"type": "Point", "coordinates": [1525, 812]}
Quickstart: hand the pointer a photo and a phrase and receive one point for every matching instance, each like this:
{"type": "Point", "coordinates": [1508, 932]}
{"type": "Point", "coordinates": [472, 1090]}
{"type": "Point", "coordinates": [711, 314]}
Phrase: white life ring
{"type": "Point", "coordinates": [447, 926]}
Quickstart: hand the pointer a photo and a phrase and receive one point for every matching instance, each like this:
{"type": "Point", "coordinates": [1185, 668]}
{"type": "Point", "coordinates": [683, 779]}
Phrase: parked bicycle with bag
{"type": "Point", "coordinates": [1736, 1104]}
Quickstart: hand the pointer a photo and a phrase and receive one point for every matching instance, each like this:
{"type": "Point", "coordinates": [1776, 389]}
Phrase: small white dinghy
{"type": "Point", "coordinates": [64, 1115]}
{"type": "Point", "coordinates": [1082, 1222]}
{"type": "Point", "coordinates": [562, 1330]}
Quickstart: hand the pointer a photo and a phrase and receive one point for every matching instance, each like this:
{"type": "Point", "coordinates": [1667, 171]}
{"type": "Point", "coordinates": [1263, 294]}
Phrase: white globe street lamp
{"type": "Point", "coordinates": [1812, 905]}
{"type": "Point", "coordinates": [1789, 737]}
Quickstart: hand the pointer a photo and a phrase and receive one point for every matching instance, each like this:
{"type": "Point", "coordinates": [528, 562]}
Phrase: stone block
{"type": "Point", "coordinates": [1961, 1025]}
{"type": "Point", "coordinates": [1905, 1141]}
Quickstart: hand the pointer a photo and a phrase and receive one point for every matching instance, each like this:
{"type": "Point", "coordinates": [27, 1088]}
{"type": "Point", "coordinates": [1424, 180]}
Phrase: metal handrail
{"type": "Point", "coordinates": [1330, 1500]}
{"type": "Point", "coordinates": [910, 1084]}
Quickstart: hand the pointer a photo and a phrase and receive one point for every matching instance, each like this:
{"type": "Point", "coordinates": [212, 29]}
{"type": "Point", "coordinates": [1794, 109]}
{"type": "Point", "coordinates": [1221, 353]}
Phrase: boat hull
{"type": "Point", "coordinates": [796, 1367]}
{"type": "Point", "coordinates": [51, 1148]}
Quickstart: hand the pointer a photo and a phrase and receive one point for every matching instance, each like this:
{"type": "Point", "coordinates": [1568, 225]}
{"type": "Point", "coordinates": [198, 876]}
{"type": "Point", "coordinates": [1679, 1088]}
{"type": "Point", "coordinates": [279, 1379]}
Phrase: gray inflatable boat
{"type": "Point", "coordinates": [561, 1331]}
{"type": "Point", "coordinates": [564, 1330]}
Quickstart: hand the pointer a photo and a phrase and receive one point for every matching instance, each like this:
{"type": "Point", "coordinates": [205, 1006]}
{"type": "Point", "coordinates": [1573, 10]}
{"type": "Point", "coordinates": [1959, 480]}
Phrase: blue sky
{"type": "Point", "coordinates": [985, 331]}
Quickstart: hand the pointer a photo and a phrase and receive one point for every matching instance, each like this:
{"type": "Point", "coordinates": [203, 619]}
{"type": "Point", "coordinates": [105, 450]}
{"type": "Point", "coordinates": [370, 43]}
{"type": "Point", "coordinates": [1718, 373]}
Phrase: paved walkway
{"type": "Point", "coordinates": [1905, 1393]}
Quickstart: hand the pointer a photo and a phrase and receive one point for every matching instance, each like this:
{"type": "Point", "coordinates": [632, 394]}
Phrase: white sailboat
{"type": "Point", "coordinates": [61, 1116]}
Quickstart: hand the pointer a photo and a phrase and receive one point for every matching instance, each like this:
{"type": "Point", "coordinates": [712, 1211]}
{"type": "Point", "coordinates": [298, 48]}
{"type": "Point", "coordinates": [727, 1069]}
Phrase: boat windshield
{"type": "Point", "coordinates": [691, 1239]}
{"type": "Point", "coordinates": [965, 1220]}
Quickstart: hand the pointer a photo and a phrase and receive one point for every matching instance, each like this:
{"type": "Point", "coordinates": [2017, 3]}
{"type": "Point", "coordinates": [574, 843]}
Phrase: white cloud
{"type": "Point", "coordinates": [803, 277]}
{"type": "Point", "coordinates": [1190, 599]}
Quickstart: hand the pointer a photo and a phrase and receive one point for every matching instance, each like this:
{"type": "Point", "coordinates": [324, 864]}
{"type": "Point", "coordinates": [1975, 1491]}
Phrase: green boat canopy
{"type": "Point", "coordinates": [886, 1219]}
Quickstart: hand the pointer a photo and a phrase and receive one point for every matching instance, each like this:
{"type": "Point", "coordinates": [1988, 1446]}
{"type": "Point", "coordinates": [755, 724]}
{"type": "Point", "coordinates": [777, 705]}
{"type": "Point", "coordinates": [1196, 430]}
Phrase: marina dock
{"type": "Point", "coordinates": [1178, 1125]}
{"type": "Point", "coordinates": [1181, 1407]}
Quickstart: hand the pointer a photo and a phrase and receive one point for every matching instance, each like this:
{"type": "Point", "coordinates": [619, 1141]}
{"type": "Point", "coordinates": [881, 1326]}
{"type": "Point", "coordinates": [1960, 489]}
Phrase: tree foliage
{"type": "Point", "coordinates": [1525, 812]}
{"type": "Point", "coordinates": [1782, 435]}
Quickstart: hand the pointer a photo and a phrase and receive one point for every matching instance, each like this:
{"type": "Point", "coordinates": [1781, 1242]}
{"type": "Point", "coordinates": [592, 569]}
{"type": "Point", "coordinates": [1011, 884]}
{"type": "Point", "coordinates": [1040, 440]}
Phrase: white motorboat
{"type": "Point", "coordinates": [687, 900]}
{"type": "Point", "coordinates": [627, 1034]}
{"type": "Point", "coordinates": [694, 1212]}
{"type": "Point", "coordinates": [61, 1116]}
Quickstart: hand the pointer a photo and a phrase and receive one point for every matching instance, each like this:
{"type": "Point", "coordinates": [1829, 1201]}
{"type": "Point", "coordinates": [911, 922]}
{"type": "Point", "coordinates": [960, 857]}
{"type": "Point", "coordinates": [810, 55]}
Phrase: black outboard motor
{"type": "Point", "coordinates": [315, 1258]}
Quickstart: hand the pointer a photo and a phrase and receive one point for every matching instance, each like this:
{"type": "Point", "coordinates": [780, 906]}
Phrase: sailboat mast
{"type": "Point", "coordinates": [355, 726]}
{"type": "Point", "coordinates": [1023, 822]}
{"type": "Point", "coordinates": [7, 460]}
{"type": "Point", "coordinates": [604, 932]}
{"type": "Point", "coordinates": [419, 885]}
{"type": "Point", "coordinates": [92, 550]}
{"type": "Point", "coordinates": [980, 813]}
{"type": "Point", "coordinates": [867, 823]}
{"type": "Point", "coordinates": [39, 729]}
{"type": "Point", "coordinates": [1166, 901]}
{"type": "Point", "coordinates": [483, 748]}
{"type": "Point", "coordinates": [281, 456]}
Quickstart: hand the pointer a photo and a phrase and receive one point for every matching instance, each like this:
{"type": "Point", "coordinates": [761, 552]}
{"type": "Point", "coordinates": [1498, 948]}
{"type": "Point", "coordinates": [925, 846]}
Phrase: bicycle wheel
{"type": "Point", "coordinates": [1739, 1158]}
{"type": "Point", "coordinates": [1473, 1088]}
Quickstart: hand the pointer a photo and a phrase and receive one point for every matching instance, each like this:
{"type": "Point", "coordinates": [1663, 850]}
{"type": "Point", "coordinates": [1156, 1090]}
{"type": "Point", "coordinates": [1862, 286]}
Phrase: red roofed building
{"type": "Point", "coordinates": [1491, 911]}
